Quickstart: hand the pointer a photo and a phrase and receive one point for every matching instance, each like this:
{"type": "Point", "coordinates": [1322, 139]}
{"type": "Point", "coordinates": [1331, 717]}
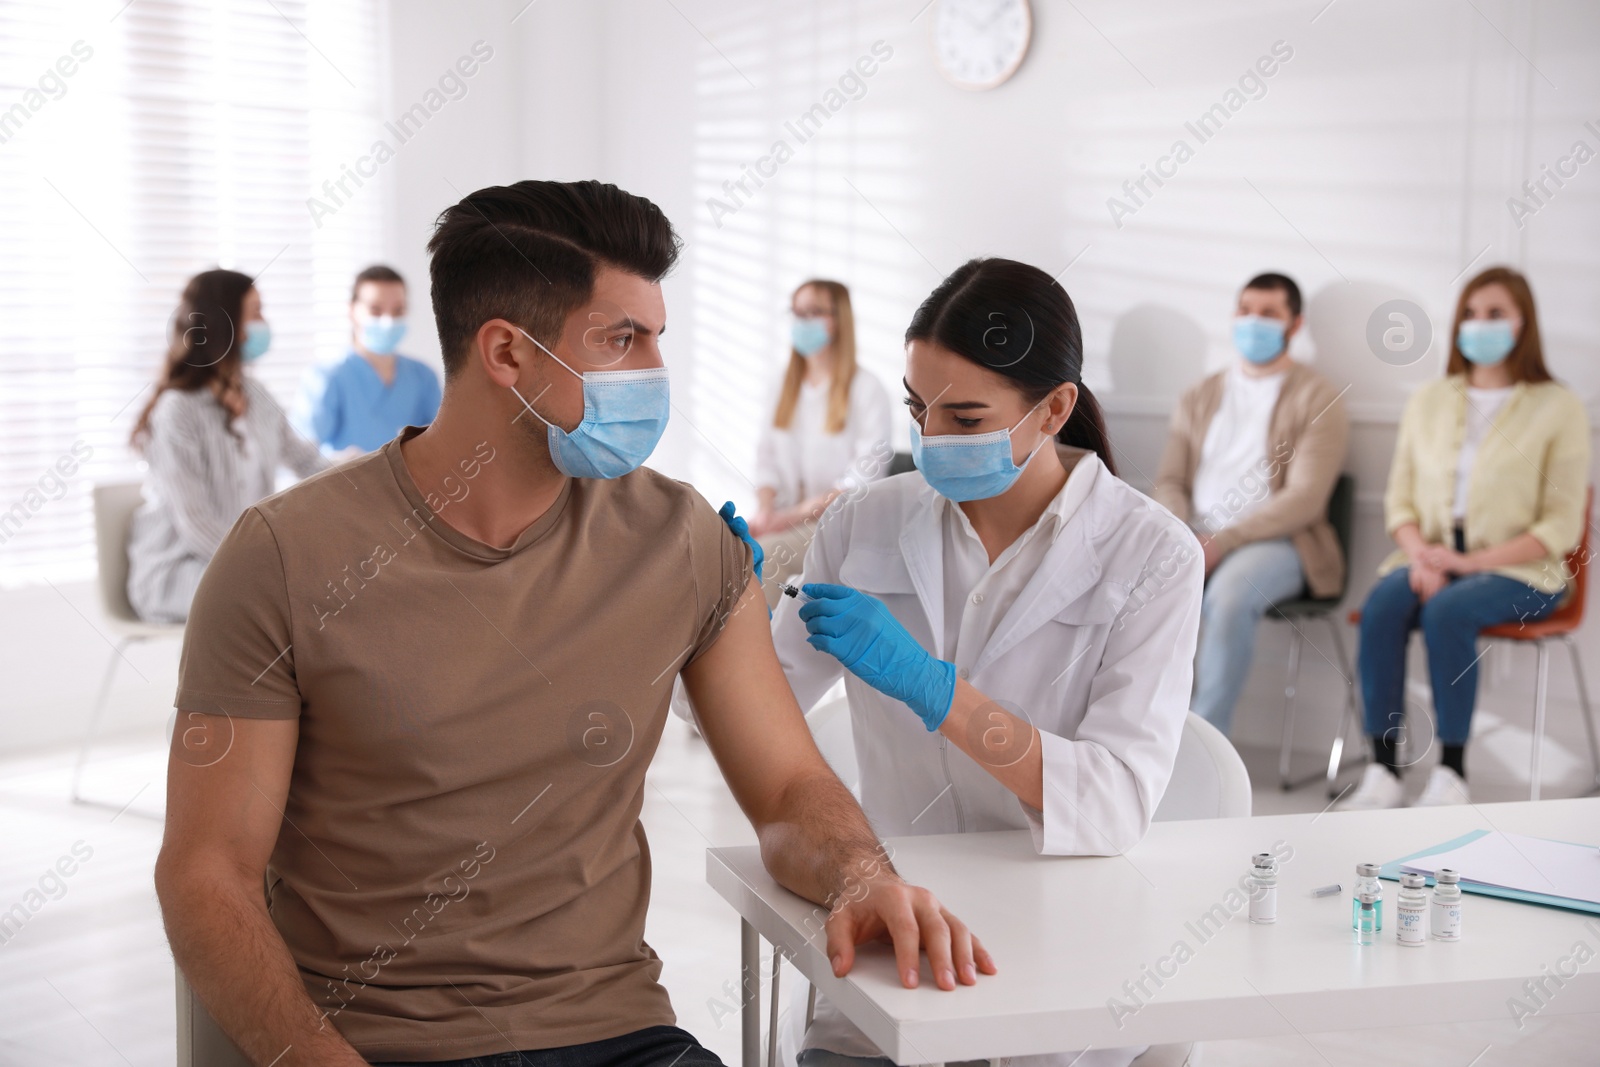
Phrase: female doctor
{"type": "Point", "coordinates": [1015, 625]}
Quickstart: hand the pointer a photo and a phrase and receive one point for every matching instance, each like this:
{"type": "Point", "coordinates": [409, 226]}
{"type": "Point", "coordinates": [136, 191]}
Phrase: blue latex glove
{"type": "Point", "coordinates": [858, 631]}
{"type": "Point", "coordinates": [741, 530]}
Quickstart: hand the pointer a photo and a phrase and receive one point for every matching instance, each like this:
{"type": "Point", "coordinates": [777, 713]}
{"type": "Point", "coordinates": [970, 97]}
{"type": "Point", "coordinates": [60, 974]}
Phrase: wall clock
{"type": "Point", "coordinates": [978, 44]}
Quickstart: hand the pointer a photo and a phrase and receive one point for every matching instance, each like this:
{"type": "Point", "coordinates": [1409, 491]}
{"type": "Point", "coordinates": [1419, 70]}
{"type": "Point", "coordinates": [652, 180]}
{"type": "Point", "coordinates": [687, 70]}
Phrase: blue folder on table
{"type": "Point", "coordinates": [1391, 872]}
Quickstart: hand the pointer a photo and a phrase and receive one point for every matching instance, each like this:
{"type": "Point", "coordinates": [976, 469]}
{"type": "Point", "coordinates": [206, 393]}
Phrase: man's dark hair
{"type": "Point", "coordinates": [529, 252]}
{"type": "Point", "coordinates": [375, 273]}
{"type": "Point", "coordinates": [1280, 283]}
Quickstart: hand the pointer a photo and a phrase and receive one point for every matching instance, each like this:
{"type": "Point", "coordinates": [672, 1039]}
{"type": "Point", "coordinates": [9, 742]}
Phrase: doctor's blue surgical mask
{"type": "Point", "coordinates": [809, 336]}
{"type": "Point", "coordinates": [381, 334]}
{"type": "Point", "coordinates": [1486, 341]}
{"type": "Point", "coordinates": [1258, 338]}
{"type": "Point", "coordinates": [624, 415]}
{"type": "Point", "coordinates": [257, 339]}
{"type": "Point", "coordinates": [963, 467]}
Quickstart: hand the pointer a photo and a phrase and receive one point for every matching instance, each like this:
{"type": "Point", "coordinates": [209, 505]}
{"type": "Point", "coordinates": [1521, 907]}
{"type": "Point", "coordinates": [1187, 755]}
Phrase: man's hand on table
{"type": "Point", "coordinates": [913, 921]}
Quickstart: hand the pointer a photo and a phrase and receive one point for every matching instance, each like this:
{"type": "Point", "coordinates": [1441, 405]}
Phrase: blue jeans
{"type": "Point", "coordinates": [1449, 623]}
{"type": "Point", "coordinates": [1245, 585]}
{"type": "Point", "coordinates": [654, 1046]}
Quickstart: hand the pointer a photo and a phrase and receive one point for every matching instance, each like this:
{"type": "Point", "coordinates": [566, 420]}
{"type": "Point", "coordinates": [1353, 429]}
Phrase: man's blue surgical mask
{"type": "Point", "coordinates": [973, 466]}
{"type": "Point", "coordinates": [624, 415]}
{"type": "Point", "coordinates": [381, 334]}
{"type": "Point", "coordinates": [1486, 341]}
{"type": "Point", "coordinates": [809, 336]}
{"type": "Point", "coordinates": [1258, 338]}
{"type": "Point", "coordinates": [257, 339]}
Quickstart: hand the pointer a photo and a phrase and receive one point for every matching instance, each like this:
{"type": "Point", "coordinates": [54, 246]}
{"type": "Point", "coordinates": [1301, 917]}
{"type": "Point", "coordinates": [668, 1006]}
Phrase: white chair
{"type": "Point", "coordinates": [114, 505]}
{"type": "Point", "coordinates": [1209, 780]}
{"type": "Point", "coordinates": [201, 1042]}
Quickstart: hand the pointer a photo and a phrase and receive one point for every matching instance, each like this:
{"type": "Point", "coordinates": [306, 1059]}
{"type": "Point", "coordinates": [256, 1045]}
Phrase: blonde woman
{"type": "Point", "coordinates": [829, 430]}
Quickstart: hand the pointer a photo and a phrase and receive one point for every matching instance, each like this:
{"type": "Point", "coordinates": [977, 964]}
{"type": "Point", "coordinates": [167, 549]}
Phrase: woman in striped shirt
{"type": "Point", "coordinates": [213, 439]}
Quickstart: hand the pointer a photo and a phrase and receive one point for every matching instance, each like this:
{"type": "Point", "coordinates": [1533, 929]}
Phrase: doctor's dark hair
{"type": "Point", "coordinates": [1017, 321]}
{"type": "Point", "coordinates": [528, 253]}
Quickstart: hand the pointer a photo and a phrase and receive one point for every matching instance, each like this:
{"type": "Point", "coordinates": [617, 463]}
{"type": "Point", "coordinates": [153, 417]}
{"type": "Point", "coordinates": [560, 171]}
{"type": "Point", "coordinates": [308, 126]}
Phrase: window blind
{"type": "Point", "coordinates": [139, 145]}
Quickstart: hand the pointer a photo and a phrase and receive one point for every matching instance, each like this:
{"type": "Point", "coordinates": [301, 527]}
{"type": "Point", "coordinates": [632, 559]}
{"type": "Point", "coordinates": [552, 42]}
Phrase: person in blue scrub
{"type": "Point", "coordinates": [365, 399]}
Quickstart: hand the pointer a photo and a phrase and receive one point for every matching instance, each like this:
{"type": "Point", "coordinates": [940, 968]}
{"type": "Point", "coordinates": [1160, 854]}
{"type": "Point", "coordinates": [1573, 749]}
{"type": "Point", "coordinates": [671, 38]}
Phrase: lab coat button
{"type": "Point", "coordinates": [977, 598]}
{"type": "Point", "coordinates": [963, 673]}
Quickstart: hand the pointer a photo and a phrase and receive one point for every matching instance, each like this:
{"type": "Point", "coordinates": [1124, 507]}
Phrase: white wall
{"type": "Point", "coordinates": [1376, 165]}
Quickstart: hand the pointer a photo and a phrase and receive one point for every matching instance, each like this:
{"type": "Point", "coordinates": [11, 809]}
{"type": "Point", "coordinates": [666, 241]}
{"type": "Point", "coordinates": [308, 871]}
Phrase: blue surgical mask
{"type": "Point", "coordinates": [1486, 341]}
{"type": "Point", "coordinates": [809, 336]}
{"type": "Point", "coordinates": [624, 414]}
{"type": "Point", "coordinates": [963, 467]}
{"type": "Point", "coordinates": [257, 339]}
{"type": "Point", "coordinates": [381, 334]}
{"type": "Point", "coordinates": [1258, 339]}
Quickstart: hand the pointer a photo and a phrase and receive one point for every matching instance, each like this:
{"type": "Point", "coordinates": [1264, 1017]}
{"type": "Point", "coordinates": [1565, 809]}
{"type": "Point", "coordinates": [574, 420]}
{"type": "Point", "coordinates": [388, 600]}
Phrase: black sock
{"type": "Point", "coordinates": [1383, 754]}
{"type": "Point", "coordinates": [1455, 757]}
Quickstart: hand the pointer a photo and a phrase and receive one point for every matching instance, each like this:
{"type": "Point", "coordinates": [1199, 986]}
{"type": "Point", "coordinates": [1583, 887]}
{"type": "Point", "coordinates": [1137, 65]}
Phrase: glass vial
{"type": "Point", "coordinates": [1446, 912]}
{"type": "Point", "coordinates": [1366, 915]}
{"type": "Point", "coordinates": [1366, 878]}
{"type": "Point", "coordinates": [1263, 888]}
{"type": "Point", "coordinates": [1411, 911]}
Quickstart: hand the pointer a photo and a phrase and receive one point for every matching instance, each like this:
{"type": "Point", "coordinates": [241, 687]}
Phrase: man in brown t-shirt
{"type": "Point", "coordinates": [420, 692]}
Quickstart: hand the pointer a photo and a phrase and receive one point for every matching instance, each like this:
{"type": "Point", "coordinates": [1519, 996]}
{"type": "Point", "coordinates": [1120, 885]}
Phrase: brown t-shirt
{"type": "Point", "coordinates": [461, 869]}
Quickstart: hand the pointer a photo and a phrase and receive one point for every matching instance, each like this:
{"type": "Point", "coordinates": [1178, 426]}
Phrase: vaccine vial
{"type": "Point", "coordinates": [1446, 911]}
{"type": "Point", "coordinates": [1366, 878]}
{"type": "Point", "coordinates": [1411, 911]}
{"type": "Point", "coordinates": [1263, 888]}
{"type": "Point", "coordinates": [1366, 915]}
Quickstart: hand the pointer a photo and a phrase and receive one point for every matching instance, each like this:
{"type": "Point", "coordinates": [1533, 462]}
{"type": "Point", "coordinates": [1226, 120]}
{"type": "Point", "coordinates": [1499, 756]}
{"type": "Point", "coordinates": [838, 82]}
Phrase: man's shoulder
{"type": "Point", "coordinates": [1207, 387]}
{"type": "Point", "coordinates": [1316, 389]}
{"type": "Point", "coordinates": [346, 488]}
{"type": "Point", "coordinates": [647, 502]}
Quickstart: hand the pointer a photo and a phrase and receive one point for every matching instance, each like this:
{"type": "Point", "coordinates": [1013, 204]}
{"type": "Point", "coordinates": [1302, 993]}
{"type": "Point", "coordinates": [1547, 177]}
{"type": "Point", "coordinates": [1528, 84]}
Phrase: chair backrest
{"type": "Point", "coordinates": [201, 1042]}
{"type": "Point", "coordinates": [114, 505]}
{"type": "Point", "coordinates": [1578, 568]}
{"type": "Point", "coordinates": [1342, 513]}
{"type": "Point", "coordinates": [1209, 780]}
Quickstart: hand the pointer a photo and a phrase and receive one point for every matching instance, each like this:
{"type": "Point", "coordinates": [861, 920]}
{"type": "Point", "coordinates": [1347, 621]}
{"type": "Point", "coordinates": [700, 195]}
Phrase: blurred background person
{"type": "Point", "coordinates": [363, 401]}
{"type": "Point", "coordinates": [1486, 498]}
{"type": "Point", "coordinates": [829, 431]}
{"type": "Point", "coordinates": [1250, 462]}
{"type": "Point", "coordinates": [213, 439]}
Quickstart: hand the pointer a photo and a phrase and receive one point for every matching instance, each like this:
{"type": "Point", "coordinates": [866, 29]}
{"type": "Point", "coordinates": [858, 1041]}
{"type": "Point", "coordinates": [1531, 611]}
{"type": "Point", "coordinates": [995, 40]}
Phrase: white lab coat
{"type": "Point", "coordinates": [1097, 651]}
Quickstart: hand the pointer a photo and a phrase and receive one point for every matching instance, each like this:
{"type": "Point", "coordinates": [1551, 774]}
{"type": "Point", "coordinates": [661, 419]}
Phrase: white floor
{"type": "Point", "coordinates": [88, 979]}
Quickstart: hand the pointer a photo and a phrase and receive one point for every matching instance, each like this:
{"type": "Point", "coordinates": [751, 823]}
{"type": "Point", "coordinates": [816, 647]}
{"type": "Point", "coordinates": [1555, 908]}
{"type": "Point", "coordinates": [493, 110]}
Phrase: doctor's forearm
{"type": "Point", "coordinates": [1005, 745]}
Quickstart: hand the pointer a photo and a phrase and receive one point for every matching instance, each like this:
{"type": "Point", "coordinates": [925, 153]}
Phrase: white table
{"type": "Point", "coordinates": [1068, 932]}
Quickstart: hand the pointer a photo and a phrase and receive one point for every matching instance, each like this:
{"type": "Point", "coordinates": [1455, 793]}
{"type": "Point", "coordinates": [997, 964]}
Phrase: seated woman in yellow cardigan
{"type": "Point", "coordinates": [1486, 498]}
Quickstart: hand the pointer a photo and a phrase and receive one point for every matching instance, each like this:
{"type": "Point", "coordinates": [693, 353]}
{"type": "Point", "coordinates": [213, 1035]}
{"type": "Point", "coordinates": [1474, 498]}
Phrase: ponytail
{"type": "Point", "coordinates": [1017, 321]}
{"type": "Point", "coordinates": [1086, 428]}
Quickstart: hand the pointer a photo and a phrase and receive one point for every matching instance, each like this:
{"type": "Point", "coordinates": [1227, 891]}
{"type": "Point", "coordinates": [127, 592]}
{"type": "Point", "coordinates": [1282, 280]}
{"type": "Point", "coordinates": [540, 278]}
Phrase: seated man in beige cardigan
{"type": "Point", "coordinates": [1252, 457]}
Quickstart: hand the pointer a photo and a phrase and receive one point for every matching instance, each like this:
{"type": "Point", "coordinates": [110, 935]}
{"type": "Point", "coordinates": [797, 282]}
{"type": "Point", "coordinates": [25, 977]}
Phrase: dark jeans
{"type": "Point", "coordinates": [656, 1046]}
{"type": "Point", "coordinates": [1449, 623]}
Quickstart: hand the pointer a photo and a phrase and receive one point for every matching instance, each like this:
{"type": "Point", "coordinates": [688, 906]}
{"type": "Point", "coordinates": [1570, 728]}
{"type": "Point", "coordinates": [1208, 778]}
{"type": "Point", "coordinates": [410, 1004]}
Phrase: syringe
{"type": "Point", "coordinates": [790, 589]}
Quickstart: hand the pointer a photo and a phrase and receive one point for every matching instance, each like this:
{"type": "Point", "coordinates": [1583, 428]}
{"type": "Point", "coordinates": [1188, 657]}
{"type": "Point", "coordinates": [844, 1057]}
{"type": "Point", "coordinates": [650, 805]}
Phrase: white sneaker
{"type": "Point", "coordinates": [1445, 786]}
{"type": "Point", "coordinates": [1379, 788]}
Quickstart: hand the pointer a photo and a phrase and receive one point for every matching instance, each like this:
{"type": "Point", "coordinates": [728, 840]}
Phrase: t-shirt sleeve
{"type": "Point", "coordinates": [238, 654]}
{"type": "Point", "coordinates": [721, 564]}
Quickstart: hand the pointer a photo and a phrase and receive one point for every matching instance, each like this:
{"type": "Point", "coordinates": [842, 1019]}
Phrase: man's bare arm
{"type": "Point", "coordinates": [223, 816]}
{"type": "Point", "coordinates": [814, 837]}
